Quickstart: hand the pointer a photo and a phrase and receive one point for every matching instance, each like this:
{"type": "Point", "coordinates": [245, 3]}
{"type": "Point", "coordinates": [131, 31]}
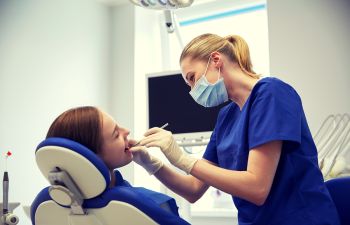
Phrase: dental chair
{"type": "Point", "coordinates": [339, 188]}
{"type": "Point", "coordinates": [79, 193]}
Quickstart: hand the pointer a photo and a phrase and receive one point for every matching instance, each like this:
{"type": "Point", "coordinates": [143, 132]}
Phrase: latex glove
{"type": "Point", "coordinates": [157, 137]}
{"type": "Point", "coordinates": [326, 166]}
{"type": "Point", "coordinates": [338, 167]}
{"type": "Point", "coordinates": [146, 160]}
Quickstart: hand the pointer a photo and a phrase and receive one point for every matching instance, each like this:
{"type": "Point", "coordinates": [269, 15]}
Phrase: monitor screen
{"type": "Point", "coordinates": [169, 101]}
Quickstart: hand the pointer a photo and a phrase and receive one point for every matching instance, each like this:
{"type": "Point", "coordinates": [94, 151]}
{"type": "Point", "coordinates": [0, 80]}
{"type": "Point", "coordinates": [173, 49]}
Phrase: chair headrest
{"type": "Point", "coordinates": [87, 170]}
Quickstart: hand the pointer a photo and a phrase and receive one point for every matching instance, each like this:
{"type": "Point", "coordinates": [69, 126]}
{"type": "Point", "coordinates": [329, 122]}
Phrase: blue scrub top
{"type": "Point", "coordinates": [298, 194]}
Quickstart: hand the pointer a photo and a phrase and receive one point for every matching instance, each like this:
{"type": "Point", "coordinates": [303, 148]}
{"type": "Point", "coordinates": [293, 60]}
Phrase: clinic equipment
{"type": "Point", "coordinates": [333, 144]}
{"type": "Point", "coordinates": [10, 219]}
{"type": "Point", "coordinates": [79, 193]}
{"type": "Point", "coordinates": [339, 189]}
{"type": "Point", "coordinates": [191, 124]}
{"type": "Point", "coordinates": [7, 217]}
{"type": "Point", "coordinates": [162, 4]}
{"type": "Point", "coordinates": [162, 127]}
{"type": "Point", "coordinates": [168, 6]}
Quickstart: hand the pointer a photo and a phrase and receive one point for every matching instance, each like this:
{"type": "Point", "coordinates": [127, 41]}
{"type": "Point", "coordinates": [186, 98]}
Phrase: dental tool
{"type": "Point", "coordinates": [5, 186]}
{"type": "Point", "coordinates": [162, 127]}
{"type": "Point", "coordinates": [7, 217]}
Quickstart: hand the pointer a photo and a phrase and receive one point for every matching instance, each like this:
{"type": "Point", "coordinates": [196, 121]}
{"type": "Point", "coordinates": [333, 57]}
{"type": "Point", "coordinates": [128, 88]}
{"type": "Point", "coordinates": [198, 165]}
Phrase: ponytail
{"type": "Point", "coordinates": [233, 46]}
{"type": "Point", "coordinates": [240, 54]}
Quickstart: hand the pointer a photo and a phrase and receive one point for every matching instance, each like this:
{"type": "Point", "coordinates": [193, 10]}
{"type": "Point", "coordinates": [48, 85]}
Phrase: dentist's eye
{"type": "Point", "coordinates": [191, 79]}
{"type": "Point", "coordinates": [189, 76]}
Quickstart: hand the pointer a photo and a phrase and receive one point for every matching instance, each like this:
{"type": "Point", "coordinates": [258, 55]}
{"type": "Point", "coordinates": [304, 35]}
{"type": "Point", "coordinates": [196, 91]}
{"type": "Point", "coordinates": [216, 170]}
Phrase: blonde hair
{"type": "Point", "coordinates": [233, 46]}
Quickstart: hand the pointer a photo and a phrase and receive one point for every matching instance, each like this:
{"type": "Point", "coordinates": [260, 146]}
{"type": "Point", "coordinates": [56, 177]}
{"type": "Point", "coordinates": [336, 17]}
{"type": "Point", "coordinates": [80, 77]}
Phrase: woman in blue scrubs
{"type": "Point", "coordinates": [261, 150]}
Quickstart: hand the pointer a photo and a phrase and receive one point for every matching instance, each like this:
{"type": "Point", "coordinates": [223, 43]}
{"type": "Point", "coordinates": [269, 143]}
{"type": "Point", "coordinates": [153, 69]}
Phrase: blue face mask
{"type": "Point", "coordinates": [207, 94]}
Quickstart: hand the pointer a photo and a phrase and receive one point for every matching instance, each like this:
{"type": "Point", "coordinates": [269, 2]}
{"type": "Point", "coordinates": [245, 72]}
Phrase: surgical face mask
{"type": "Point", "coordinates": [207, 94]}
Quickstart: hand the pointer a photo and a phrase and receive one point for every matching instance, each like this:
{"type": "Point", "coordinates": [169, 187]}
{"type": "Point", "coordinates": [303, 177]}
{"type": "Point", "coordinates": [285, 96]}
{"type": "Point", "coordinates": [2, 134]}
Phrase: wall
{"type": "Point", "coordinates": [122, 80]}
{"type": "Point", "coordinates": [135, 52]}
{"type": "Point", "coordinates": [309, 48]}
{"type": "Point", "coordinates": [53, 55]}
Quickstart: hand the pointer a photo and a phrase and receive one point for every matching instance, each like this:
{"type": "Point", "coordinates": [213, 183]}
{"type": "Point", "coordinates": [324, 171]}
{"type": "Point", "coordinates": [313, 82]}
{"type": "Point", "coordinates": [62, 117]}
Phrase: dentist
{"type": "Point", "coordinates": [261, 150]}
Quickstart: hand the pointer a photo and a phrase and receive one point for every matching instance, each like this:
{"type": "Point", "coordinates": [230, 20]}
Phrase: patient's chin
{"type": "Point", "coordinates": [126, 161]}
{"type": "Point", "coordinates": [130, 157]}
{"type": "Point", "coordinates": [128, 153]}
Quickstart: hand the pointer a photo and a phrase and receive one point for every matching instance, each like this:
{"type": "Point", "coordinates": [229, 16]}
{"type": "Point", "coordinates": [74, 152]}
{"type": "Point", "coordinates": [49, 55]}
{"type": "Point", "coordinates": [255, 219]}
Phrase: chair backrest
{"type": "Point", "coordinates": [339, 188]}
{"type": "Point", "coordinates": [79, 192]}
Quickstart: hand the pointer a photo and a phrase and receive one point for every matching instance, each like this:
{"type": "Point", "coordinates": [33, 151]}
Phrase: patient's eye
{"type": "Point", "coordinates": [115, 132]}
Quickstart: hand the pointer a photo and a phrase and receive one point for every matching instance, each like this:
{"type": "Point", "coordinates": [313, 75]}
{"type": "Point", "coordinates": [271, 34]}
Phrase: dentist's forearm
{"type": "Point", "coordinates": [254, 184]}
{"type": "Point", "coordinates": [186, 186]}
{"type": "Point", "coordinates": [232, 182]}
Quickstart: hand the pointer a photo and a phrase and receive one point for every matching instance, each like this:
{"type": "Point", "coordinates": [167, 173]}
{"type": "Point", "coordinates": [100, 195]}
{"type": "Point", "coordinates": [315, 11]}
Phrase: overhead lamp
{"type": "Point", "coordinates": [162, 4]}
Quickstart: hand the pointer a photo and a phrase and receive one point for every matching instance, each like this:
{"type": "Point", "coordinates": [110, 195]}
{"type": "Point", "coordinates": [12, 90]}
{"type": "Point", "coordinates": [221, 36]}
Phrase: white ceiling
{"type": "Point", "coordinates": [114, 2]}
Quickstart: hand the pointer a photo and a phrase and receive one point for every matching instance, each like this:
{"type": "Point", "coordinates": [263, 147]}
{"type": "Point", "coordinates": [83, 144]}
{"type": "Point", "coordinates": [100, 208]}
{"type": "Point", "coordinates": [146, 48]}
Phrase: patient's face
{"type": "Point", "coordinates": [115, 147]}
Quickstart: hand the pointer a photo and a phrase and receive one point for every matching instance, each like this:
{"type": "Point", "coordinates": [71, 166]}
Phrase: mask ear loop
{"type": "Point", "coordinates": [206, 68]}
{"type": "Point", "coordinates": [219, 73]}
{"type": "Point", "coordinates": [204, 74]}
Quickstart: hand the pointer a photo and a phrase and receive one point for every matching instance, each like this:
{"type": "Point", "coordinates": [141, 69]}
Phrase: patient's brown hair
{"type": "Point", "coordinates": [82, 124]}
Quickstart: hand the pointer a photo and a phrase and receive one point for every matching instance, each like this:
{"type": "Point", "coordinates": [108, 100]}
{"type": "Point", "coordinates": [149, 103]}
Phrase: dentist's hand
{"type": "Point", "coordinates": [157, 137]}
{"type": "Point", "coordinates": [144, 159]}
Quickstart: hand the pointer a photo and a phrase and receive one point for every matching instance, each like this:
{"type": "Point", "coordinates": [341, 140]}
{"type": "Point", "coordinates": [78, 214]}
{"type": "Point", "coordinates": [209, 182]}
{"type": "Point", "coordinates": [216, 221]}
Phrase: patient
{"type": "Point", "coordinates": [99, 132]}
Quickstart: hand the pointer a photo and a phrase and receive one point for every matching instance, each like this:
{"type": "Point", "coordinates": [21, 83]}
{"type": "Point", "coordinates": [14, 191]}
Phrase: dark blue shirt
{"type": "Point", "coordinates": [298, 194]}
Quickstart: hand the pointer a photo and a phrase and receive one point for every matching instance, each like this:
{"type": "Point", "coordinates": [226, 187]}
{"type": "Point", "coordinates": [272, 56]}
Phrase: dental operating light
{"type": "Point", "coordinates": [162, 4]}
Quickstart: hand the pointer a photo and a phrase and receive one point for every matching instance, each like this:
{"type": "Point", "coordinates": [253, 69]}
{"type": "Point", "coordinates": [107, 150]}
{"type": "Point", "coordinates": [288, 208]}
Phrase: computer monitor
{"type": "Point", "coordinates": [169, 101]}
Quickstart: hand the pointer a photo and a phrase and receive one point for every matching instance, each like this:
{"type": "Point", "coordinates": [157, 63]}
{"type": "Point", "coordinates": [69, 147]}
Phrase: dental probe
{"type": "Point", "coordinates": [162, 127]}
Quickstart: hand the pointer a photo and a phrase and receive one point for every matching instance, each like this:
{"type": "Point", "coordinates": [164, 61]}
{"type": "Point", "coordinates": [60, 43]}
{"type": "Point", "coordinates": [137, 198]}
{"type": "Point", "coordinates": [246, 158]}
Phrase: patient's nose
{"type": "Point", "coordinates": [126, 132]}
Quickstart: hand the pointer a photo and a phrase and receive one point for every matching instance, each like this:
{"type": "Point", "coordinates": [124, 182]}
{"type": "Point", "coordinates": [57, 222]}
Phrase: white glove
{"type": "Point", "coordinates": [146, 160]}
{"type": "Point", "coordinates": [157, 137]}
{"type": "Point", "coordinates": [338, 167]}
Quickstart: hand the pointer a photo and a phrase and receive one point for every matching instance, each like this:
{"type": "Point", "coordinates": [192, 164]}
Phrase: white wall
{"type": "Point", "coordinates": [309, 48]}
{"type": "Point", "coordinates": [53, 55]}
{"type": "Point", "coordinates": [147, 59]}
{"type": "Point", "coordinates": [135, 52]}
{"type": "Point", "coordinates": [122, 80]}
